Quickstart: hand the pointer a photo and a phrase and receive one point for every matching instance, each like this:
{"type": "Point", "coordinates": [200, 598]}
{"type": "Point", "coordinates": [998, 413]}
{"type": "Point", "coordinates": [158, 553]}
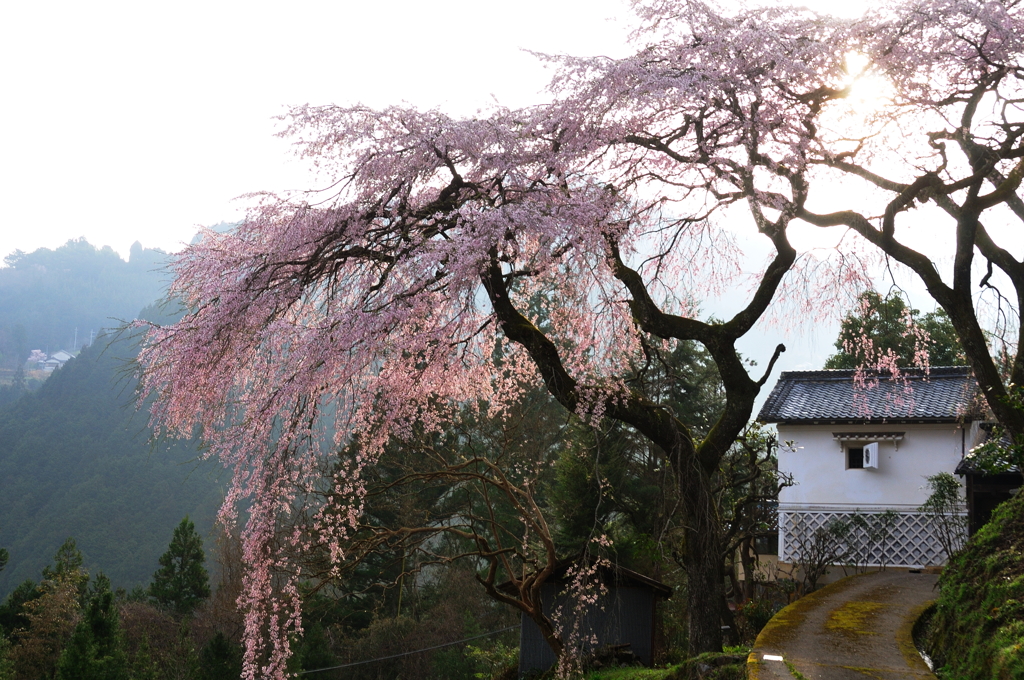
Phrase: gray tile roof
{"type": "Point", "coordinates": [945, 393]}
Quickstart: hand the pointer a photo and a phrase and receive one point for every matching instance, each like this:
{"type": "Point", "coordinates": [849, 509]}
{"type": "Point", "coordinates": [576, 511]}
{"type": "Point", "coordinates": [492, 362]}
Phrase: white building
{"type": "Point", "coordinates": [857, 450]}
{"type": "Point", "coordinates": [55, 361]}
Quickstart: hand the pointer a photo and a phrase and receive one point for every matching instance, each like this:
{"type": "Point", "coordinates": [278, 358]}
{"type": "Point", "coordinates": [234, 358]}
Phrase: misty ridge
{"type": "Point", "coordinates": [75, 454]}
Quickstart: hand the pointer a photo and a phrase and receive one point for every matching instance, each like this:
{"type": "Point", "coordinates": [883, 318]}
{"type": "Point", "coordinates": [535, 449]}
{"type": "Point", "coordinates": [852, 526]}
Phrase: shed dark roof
{"type": "Point", "coordinates": [943, 394]}
{"type": "Point", "coordinates": [970, 465]}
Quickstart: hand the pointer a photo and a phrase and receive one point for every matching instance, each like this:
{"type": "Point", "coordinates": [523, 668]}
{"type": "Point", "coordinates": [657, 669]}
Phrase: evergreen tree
{"type": "Point", "coordinates": [181, 583]}
{"type": "Point", "coordinates": [6, 663]}
{"type": "Point", "coordinates": [221, 659]}
{"type": "Point", "coordinates": [67, 564]}
{"type": "Point", "coordinates": [12, 616]}
{"type": "Point", "coordinates": [96, 650]}
{"type": "Point", "coordinates": [886, 325]}
{"type": "Point", "coordinates": [143, 667]}
{"type": "Point", "coordinates": [67, 560]}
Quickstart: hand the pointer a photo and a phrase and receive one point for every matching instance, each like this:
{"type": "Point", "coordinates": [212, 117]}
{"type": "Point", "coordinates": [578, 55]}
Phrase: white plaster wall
{"type": "Point", "coordinates": [818, 465]}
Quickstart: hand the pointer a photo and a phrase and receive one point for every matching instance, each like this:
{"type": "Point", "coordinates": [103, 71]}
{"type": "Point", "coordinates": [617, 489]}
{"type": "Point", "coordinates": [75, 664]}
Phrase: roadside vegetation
{"type": "Point", "coordinates": [977, 630]}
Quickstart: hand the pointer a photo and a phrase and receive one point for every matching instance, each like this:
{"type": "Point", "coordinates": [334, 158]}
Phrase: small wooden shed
{"type": "Point", "coordinates": [624, 616]}
{"type": "Point", "coordinates": [985, 491]}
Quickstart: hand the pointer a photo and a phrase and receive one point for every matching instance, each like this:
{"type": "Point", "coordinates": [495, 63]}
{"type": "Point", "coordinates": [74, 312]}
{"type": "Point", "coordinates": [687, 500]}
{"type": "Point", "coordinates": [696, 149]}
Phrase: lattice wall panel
{"type": "Point", "coordinates": [908, 539]}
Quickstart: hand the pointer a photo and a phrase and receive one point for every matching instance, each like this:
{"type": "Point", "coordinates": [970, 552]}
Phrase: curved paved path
{"type": "Point", "coordinates": [856, 628]}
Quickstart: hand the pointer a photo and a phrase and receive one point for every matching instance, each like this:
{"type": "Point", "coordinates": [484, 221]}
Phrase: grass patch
{"type": "Point", "coordinates": [794, 672]}
{"type": "Point", "coordinates": [729, 665]}
{"type": "Point", "coordinates": [631, 674]}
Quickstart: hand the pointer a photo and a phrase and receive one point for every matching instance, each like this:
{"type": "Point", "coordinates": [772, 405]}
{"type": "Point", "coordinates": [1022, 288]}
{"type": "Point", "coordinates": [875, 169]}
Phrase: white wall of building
{"type": "Point", "coordinates": [826, 489]}
{"type": "Point", "coordinates": [818, 464]}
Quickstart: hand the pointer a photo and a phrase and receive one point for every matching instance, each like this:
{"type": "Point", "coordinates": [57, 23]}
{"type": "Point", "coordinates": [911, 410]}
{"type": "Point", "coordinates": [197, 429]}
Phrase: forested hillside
{"type": "Point", "coordinates": [75, 461]}
{"type": "Point", "coordinates": [46, 294]}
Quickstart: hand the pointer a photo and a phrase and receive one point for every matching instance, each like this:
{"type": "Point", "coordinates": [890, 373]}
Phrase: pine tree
{"type": "Point", "coordinates": [67, 560]}
{"type": "Point", "coordinates": [181, 583]}
{"type": "Point", "coordinates": [96, 650]}
{"type": "Point", "coordinates": [67, 564]}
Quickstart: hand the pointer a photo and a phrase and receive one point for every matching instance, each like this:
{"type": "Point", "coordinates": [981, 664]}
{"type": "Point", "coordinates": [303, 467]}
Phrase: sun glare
{"type": "Point", "coordinates": [869, 91]}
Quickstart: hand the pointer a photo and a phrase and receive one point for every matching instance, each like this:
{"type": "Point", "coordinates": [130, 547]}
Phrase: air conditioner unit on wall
{"type": "Point", "coordinates": [871, 455]}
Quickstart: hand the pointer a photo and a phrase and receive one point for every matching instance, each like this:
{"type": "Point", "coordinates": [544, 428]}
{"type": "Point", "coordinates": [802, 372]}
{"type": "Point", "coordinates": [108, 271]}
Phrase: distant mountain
{"type": "Point", "coordinates": [47, 294]}
{"type": "Point", "coordinates": [75, 460]}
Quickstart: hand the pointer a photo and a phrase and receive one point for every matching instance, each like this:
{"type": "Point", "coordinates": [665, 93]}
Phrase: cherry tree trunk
{"type": "Point", "coordinates": [547, 629]}
{"type": "Point", "coordinates": [705, 591]}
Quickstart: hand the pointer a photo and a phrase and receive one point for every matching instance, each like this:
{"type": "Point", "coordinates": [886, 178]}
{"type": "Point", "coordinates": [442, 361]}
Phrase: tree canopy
{"type": "Point", "coordinates": [181, 583]}
{"type": "Point", "coordinates": [885, 333]}
{"type": "Point", "coordinates": [383, 303]}
{"type": "Point", "coordinates": [77, 444]}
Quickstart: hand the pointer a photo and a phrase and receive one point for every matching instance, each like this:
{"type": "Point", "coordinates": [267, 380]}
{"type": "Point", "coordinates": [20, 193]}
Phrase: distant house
{"type": "Point", "coordinates": [867, 449]}
{"type": "Point", "coordinates": [624, 617]}
{"type": "Point", "coordinates": [56, 360]}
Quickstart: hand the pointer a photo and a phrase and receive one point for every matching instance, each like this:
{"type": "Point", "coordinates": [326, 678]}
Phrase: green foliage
{"type": "Point", "coordinates": [312, 650]}
{"type": "Point", "coordinates": [685, 380]}
{"type": "Point", "coordinates": [454, 664]}
{"type": "Point", "coordinates": [183, 653]}
{"type": "Point", "coordinates": [144, 667]}
{"type": "Point", "coordinates": [947, 509]}
{"type": "Point", "coordinates": [6, 663]}
{"type": "Point", "coordinates": [181, 583]}
{"type": "Point", "coordinates": [67, 564]}
{"type": "Point", "coordinates": [221, 659]}
{"type": "Point", "coordinates": [96, 650]}
{"type": "Point", "coordinates": [977, 631]}
{"type": "Point", "coordinates": [631, 673]}
{"type": "Point", "coordinates": [884, 323]}
{"type": "Point", "coordinates": [76, 460]}
{"type": "Point", "coordinates": [592, 485]}
{"type": "Point", "coordinates": [711, 666]}
{"type": "Point", "coordinates": [454, 607]}
{"type": "Point", "coordinates": [12, 616]}
{"type": "Point", "coordinates": [51, 623]}
{"type": "Point", "coordinates": [1001, 452]}
{"type": "Point", "coordinates": [610, 481]}
{"type": "Point", "coordinates": [490, 662]}
{"type": "Point", "coordinates": [17, 387]}
{"type": "Point", "coordinates": [756, 613]}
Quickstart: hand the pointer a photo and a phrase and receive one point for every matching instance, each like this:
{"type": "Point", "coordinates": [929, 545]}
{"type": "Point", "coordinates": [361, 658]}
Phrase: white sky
{"type": "Point", "coordinates": [126, 121]}
{"type": "Point", "coordinates": [130, 120]}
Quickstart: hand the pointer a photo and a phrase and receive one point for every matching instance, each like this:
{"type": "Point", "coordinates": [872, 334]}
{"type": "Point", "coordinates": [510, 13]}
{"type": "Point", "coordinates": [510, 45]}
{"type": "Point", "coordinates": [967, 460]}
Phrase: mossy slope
{"type": "Point", "coordinates": [977, 632]}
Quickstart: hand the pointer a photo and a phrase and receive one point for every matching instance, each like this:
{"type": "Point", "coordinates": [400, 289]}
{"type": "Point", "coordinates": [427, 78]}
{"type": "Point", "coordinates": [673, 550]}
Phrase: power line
{"type": "Point", "coordinates": [418, 651]}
